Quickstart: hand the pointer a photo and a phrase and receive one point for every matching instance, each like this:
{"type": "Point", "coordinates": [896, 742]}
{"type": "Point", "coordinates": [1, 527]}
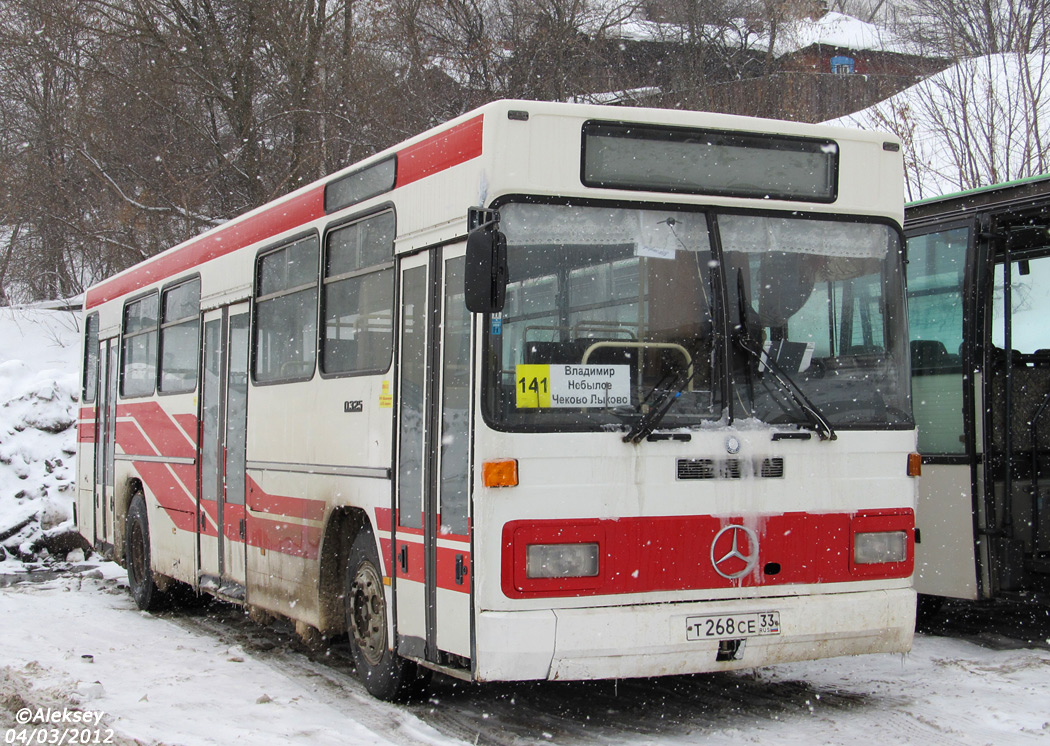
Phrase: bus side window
{"type": "Point", "coordinates": [358, 297]}
{"type": "Point", "coordinates": [139, 347]}
{"type": "Point", "coordinates": [90, 359]}
{"type": "Point", "coordinates": [179, 336]}
{"type": "Point", "coordinates": [286, 313]}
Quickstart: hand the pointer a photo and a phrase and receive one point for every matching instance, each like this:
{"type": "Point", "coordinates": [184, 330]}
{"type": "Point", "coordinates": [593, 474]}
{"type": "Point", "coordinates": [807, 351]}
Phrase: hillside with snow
{"type": "Point", "coordinates": [983, 121]}
{"type": "Point", "coordinates": [39, 352]}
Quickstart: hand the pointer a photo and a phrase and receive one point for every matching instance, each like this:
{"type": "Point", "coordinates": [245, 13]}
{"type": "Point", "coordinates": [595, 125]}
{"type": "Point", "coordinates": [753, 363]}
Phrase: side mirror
{"type": "Point", "coordinates": [485, 278]}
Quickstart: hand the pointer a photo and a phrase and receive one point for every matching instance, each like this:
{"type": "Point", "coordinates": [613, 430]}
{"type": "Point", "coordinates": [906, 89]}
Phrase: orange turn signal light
{"type": "Point", "coordinates": [914, 464]}
{"type": "Point", "coordinates": [500, 473]}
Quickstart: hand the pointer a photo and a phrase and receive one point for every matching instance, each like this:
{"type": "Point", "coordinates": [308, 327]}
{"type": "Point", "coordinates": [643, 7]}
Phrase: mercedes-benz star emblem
{"type": "Point", "coordinates": [738, 547]}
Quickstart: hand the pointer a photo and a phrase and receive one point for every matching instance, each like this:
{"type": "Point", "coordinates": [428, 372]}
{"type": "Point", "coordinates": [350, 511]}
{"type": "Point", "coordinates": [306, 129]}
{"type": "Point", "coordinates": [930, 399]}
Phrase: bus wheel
{"type": "Point", "coordinates": [137, 556]}
{"type": "Point", "coordinates": [385, 674]}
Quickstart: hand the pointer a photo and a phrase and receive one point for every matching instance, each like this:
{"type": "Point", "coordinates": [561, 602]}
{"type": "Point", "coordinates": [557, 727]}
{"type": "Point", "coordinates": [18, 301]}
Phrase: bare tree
{"type": "Point", "coordinates": [41, 91]}
{"type": "Point", "coordinates": [965, 28]}
{"type": "Point", "coordinates": [980, 122]}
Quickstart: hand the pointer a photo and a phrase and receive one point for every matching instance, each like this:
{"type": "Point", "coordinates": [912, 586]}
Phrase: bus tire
{"type": "Point", "coordinates": [385, 674]}
{"type": "Point", "coordinates": [137, 556]}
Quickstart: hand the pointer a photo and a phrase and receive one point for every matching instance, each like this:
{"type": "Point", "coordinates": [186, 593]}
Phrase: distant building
{"type": "Point", "coordinates": [814, 66]}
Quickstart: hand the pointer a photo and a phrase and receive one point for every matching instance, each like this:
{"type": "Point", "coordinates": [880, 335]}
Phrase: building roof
{"type": "Point", "coordinates": [831, 30]}
{"type": "Point", "coordinates": [840, 31]}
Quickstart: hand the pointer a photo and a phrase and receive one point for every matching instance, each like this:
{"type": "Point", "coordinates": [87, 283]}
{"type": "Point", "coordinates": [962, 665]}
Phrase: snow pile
{"type": "Point", "coordinates": [983, 121]}
{"type": "Point", "coordinates": [39, 352]}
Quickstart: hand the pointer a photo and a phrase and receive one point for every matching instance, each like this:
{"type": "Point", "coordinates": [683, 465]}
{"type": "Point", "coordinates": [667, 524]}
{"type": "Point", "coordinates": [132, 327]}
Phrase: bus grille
{"type": "Point", "coordinates": [705, 468]}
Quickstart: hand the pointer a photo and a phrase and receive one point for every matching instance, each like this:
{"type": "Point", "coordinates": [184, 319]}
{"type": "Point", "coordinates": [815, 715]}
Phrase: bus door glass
{"type": "Point", "coordinates": [432, 547]}
{"type": "Point", "coordinates": [87, 436]}
{"type": "Point", "coordinates": [221, 521]}
{"type": "Point", "coordinates": [105, 437]}
{"type": "Point", "coordinates": [938, 263]}
{"type": "Point", "coordinates": [453, 566]}
{"type": "Point", "coordinates": [1018, 389]}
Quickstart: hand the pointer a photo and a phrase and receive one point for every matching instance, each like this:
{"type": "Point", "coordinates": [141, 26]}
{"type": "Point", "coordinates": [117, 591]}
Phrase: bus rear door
{"type": "Point", "coordinates": [221, 519]}
{"type": "Point", "coordinates": [105, 447]}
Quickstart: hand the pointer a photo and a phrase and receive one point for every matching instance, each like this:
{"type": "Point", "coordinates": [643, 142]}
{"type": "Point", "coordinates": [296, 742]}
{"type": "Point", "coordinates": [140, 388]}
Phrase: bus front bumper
{"type": "Point", "coordinates": [654, 639]}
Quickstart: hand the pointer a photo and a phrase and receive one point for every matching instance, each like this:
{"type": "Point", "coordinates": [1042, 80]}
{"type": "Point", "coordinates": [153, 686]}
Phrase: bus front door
{"type": "Point", "coordinates": [221, 517]}
{"type": "Point", "coordinates": [432, 566]}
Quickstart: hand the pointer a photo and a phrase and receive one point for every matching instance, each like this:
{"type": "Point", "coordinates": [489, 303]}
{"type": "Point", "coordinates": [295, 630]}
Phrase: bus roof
{"type": "Point", "coordinates": [454, 142]}
{"type": "Point", "coordinates": [1019, 194]}
{"type": "Point", "coordinates": [991, 188]}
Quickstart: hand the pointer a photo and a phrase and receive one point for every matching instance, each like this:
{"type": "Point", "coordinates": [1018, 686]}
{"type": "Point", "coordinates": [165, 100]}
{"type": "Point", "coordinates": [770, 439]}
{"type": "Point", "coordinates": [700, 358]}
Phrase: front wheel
{"type": "Point", "coordinates": [137, 557]}
{"type": "Point", "coordinates": [385, 674]}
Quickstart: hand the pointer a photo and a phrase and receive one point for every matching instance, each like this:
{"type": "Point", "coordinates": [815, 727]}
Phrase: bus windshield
{"type": "Point", "coordinates": [614, 311]}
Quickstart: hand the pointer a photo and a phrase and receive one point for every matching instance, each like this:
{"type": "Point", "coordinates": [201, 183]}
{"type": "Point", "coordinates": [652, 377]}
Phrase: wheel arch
{"type": "Point", "coordinates": [133, 486]}
{"type": "Point", "coordinates": [342, 527]}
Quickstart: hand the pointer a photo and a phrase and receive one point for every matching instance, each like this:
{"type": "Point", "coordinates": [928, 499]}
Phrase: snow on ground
{"type": "Point", "coordinates": [183, 678]}
{"type": "Point", "coordinates": [39, 354]}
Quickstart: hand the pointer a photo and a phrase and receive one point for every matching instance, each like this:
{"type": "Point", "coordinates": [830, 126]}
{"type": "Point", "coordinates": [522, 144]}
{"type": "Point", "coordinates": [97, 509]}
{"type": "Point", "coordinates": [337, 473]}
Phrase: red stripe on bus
{"type": "Point", "coordinates": [413, 554]}
{"type": "Point", "coordinates": [86, 425]}
{"type": "Point", "coordinates": [210, 509]}
{"type": "Point", "coordinates": [293, 539]}
{"type": "Point", "coordinates": [232, 515]}
{"type": "Point", "coordinates": [168, 438]}
{"type": "Point", "coordinates": [384, 520]}
{"type": "Point", "coordinates": [415, 572]}
{"type": "Point", "coordinates": [189, 425]}
{"type": "Point", "coordinates": [272, 221]}
{"type": "Point", "coordinates": [173, 486]}
{"type": "Point", "coordinates": [261, 501]}
{"type": "Point", "coordinates": [674, 553]}
{"type": "Point", "coordinates": [446, 569]}
{"type": "Point", "coordinates": [169, 492]}
{"type": "Point", "coordinates": [442, 151]}
{"type": "Point", "coordinates": [86, 431]}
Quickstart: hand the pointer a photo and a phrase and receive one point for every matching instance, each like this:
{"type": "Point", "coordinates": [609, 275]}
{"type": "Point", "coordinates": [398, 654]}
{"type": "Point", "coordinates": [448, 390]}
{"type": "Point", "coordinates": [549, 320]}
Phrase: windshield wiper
{"type": "Point", "coordinates": [661, 405]}
{"type": "Point", "coordinates": [809, 409]}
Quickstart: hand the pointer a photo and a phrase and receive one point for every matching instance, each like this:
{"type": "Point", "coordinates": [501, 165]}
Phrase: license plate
{"type": "Point", "coordinates": [732, 626]}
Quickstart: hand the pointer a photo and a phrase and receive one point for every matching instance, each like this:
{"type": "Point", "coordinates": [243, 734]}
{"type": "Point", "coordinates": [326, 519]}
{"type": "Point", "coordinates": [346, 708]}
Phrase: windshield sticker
{"type": "Point", "coordinates": [572, 386]}
{"type": "Point", "coordinates": [653, 252]}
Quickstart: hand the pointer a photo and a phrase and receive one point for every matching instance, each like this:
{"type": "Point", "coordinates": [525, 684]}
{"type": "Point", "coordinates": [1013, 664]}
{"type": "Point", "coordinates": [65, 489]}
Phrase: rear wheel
{"type": "Point", "coordinates": [385, 674]}
{"type": "Point", "coordinates": [137, 557]}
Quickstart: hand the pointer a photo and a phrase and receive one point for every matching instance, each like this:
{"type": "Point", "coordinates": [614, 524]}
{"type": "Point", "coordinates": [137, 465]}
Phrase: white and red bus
{"type": "Point", "coordinates": [551, 391]}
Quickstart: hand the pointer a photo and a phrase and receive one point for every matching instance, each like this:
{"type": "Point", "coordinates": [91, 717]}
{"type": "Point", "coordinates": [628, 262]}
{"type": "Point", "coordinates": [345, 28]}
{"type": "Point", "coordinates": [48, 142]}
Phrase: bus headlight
{"type": "Point", "coordinates": [561, 560]}
{"type": "Point", "coordinates": [880, 547]}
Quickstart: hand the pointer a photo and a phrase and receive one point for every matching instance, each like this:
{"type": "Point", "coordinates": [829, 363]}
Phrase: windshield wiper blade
{"type": "Point", "coordinates": [661, 405]}
{"type": "Point", "coordinates": [809, 409]}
